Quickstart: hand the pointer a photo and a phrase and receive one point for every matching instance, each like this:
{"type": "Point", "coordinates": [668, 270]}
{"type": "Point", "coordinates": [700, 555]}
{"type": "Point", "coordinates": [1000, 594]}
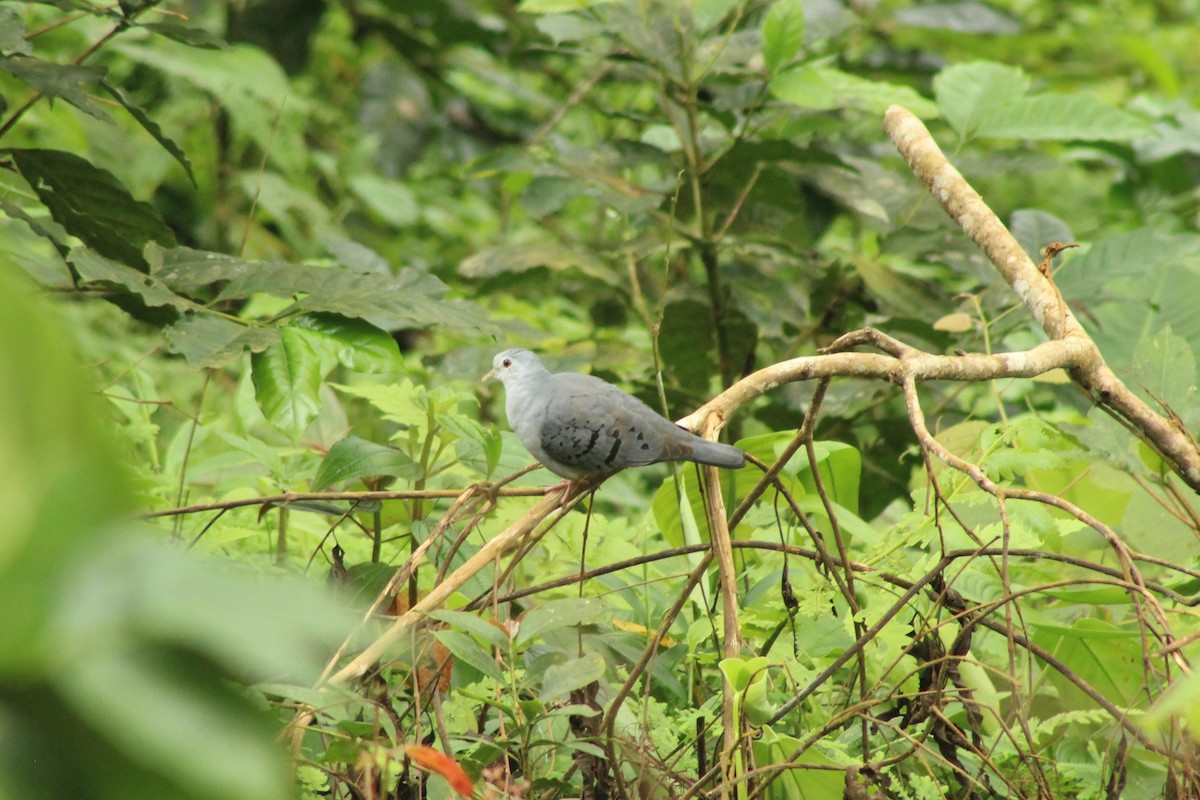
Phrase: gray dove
{"type": "Point", "coordinates": [579, 426]}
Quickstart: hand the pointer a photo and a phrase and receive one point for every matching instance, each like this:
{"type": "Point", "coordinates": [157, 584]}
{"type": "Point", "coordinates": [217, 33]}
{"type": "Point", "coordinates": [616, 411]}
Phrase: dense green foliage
{"type": "Point", "coordinates": [285, 239]}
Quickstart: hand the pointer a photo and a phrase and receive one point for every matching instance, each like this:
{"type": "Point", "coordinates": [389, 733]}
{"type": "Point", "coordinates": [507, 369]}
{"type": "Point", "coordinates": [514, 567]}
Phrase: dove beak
{"type": "Point", "coordinates": [491, 374]}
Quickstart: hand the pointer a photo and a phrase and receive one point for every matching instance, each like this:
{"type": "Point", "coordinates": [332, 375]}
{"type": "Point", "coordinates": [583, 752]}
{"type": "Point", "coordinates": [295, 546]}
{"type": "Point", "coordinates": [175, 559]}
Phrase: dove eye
{"type": "Point", "coordinates": [507, 362]}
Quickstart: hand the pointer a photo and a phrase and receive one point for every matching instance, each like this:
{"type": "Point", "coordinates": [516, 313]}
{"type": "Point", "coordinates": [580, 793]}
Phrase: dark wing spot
{"type": "Point", "coordinates": [616, 448]}
{"type": "Point", "coordinates": [592, 443]}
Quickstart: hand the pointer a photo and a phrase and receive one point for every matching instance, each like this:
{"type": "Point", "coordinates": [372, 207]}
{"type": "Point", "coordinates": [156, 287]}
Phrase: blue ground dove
{"type": "Point", "coordinates": [579, 426]}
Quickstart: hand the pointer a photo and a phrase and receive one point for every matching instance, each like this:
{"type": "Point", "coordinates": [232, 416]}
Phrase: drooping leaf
{"type": "Point", "coordinates": [47, 229]}
{"type": "Point", "coordinates": [92, 204]}
{"type": "Point", "coordinates": [353, 458]}
{"type": "Point", "coordinates": [151, 127]}
{"type": "Point", "coordinates": [93, 268]}
{"type": "Point", "coordinates": [287, 379]}
{"type": "Point", "coordinates": [70, 82]}
{"type": "Point", "coordinates": [185, 34]}
{"type": "Point", "coordinates": [411, 299]}
{"type": "Point", "coordinates": [469, 651]}
{"type": "Point", "coordinates": [208, 340]}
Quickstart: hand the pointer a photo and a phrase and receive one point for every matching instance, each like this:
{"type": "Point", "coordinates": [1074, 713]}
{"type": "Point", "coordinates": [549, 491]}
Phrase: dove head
{"type": "Point", "coordinates": [516, 365]}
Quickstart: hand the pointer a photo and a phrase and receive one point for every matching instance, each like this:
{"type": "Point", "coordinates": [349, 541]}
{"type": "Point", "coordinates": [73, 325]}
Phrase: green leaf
{"type": "Point", "coordinates": [391, 201]}
{"type": "Point", "coordinates": [287, 378]}
{"type": "Point", "coordinates": [1165, 365]}
{"type": "Point", "coordinates": [514, 258]}
{"type": "Point", "coordinates": [93, 205]}
{"type": "Point", "coordinates": [360, 345]}
{"type": "Point", "coordinates": [1106, 656]}
{"type": "Point", "coordinates": [481, 628]}
{"type": "Point", "coordinates": [1062, 116]}
{"type": "Point", "coordinates": [411, 299]}
{"type": "Point", "coordinates": [12, 33]}
{"type": "Point", "coordinates": [821, 87]}
{"type": "Point", "coordinates": [477, 445]}
{"type": "Point", "coordinates": [782, 34]}
{"type": "Point", "coordinates": [71, 82]}
{"type": "Point", "coordinates": [967, 94]}
{"type": "Point", "coordinates": [193, 37]}
{"type": "Point", "coordinates": [811, 776]}
{"type": "Point", "coordinates": [558, 6]}
{"type": "Point", "coordinates": [353, 458]}
{"type": "Point", "coordinates": [964, 17]}
{"type": "Point", "coordinates": [93, 268]}
{"type": "Point", "coordinates": [1137, 254]}
{"type": "Point", "coordinates": [1182, 701]}
{"type": "Point", "coordinates": [559, 680]}
{"type": "Point", "coordinates": [59, 477]}
{"type": "Point", "coordinates": [47, 229]}
{"type": "Point", "coordinates": [122, 695]}
{"type": "Point", "coordinates": [557, 614]}
{"type": "Point", "coordinates": [988, 99]}
{"type": "Point", "coordinates": [469, 651]}
{"type": "Point", "coordinates": [151, 127]}
{"type": "Point", "coordinates": [208, 340]}
{"type": "Point", "coordinates": [1035, 229]}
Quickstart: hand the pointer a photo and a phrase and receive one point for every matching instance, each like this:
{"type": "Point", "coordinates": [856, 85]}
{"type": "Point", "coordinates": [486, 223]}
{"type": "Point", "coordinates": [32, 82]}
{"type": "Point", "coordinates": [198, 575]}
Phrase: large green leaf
{"type": "Point", "coordinates": [411, 299]}
{"type": "Point", "coordinates": [559, 680]}
{"type": "Point", "coordinates": [353, 458]}
{"type": "Point", "coordinates": [822, 87]}
{"type": "Point", "coordinates": [1107, 657]}
{"type": "Point", "coordinates": [987, 99]}
{"type": "Point", "coordinates": [287, 379]}
{"type": "Point", "coordinates": [556, 614]}
{"type": "Point", "coordinates": [92, 204]}
{"type": "Point", "coordinates": [120, 660]}
{"type": "Point", "coordinates": [1164, 365]}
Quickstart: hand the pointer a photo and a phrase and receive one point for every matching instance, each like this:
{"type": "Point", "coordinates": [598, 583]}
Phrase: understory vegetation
{"type": "Point", "coordinates": [934, 266]}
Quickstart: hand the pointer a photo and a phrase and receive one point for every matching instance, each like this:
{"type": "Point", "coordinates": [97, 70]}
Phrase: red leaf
{"type": "Point", "coordinates": [442, 764]}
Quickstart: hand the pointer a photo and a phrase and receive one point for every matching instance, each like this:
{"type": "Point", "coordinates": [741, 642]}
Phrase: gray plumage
{"type": "Point", "coordinates": [579, 426]}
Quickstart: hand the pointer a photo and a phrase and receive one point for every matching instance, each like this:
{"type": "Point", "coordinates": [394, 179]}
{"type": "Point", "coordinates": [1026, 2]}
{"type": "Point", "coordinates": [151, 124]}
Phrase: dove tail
{"type": "Point", "coordinates": [716, 454]}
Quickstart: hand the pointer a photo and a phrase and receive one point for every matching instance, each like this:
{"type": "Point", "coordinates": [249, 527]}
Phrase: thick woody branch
{"type": "Point", "coordinates": [900, 362]}
{"type": "Point", "coordinates": [1037, 293]}
{"type": "Point", "coordinates": [1070, 348]}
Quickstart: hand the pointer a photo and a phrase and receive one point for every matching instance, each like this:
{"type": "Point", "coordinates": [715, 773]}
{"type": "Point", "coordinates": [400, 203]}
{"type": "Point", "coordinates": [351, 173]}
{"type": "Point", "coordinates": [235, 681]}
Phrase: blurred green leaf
{"type": "Point", "coordinates": [557, 614]}
{"type": "Point", "coordinates": [93, 205]}
{"type": "Point", "coordinates": [71, 82]}
{"type": "Point", "coordinates": [560, 680]}
{"type": "Point", "coordinates": [354, 458]}
{"type": "Point", "coordinates": [782, 34]}
{"type": "Point", "coordinates": [989, 99]}
{"type": "Point", "coordinates": [287, 377]}
{"type": "Point", "coordinates": [207, 340]}
{"type": "Point", "coordinates": [822, 87]}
